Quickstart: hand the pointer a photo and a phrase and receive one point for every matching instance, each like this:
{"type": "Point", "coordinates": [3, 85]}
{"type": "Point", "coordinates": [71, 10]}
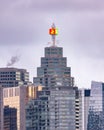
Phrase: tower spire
{"type": "Point", "coordinates": [53, 32]}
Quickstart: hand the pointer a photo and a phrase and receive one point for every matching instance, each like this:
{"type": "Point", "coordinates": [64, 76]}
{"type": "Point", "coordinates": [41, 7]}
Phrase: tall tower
{"type": "Point", "coordinates": [84, 97]}
{"type": "Point", "coordinates": [55, 106]}
{"type": "Point", "coordinates": [96, 107]}
{"type": "Point", "coordinates": [15, 97]}
{"type": "Point", "coordinates": [53, 70]}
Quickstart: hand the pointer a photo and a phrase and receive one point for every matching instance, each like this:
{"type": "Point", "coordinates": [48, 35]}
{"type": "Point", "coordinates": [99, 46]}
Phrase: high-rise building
{"type": "Point", "coordinates": [12, 77]}
{"type": "Point", "coordinates": [54, 109]}
{"type": "Point", "coordinates": [15, 97]}
{"type": "Point", "coordinates": [55, 106]}
{"type": "Point", "coordinates": [96, 107]}
{"type": "Point", "coordinates": [1, 108]}
{"type": "Point", "coordinates": [84, 97]}
{"type": "Point", "coordinates": [10, 118]}
{"type": "Point", "coordinates": [62, 108]}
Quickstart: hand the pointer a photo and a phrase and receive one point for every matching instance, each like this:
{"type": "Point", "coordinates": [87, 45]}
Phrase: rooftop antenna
{"type": "Point", "coordinates": [53, 31]}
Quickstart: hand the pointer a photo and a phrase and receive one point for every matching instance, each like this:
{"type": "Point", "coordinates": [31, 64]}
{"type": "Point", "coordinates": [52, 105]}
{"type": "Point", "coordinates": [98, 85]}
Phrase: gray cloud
{"type": "Point", "coordinates": [52, 4]}
{"type": "Point", "coordinates": [21, 21]}
{"type": "Point", "coordinates": [13, 35]}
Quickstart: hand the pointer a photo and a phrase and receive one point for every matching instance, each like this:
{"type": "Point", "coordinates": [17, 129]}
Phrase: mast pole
{"type": "Point", "coordinates": [53, 32]}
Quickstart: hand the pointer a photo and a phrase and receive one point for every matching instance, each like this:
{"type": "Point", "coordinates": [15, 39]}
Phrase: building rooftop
{"type": "Point", "coordinates": [11, 69]}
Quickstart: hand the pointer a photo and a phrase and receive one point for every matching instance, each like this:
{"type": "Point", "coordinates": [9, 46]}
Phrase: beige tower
{"type": "Point", "coordinates": [16, 97]}
{"type": "Point", "coordinates": [32, 92]}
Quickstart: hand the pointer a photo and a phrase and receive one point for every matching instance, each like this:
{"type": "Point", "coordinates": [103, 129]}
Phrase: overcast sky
{"type": "Point", "coordinates": [24, 28]}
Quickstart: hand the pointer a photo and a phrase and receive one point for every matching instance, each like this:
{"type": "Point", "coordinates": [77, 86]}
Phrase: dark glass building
{"type": "Point", "coordinates": [10, 118]}
{"type": "Point", "coordinates": [96, 107]}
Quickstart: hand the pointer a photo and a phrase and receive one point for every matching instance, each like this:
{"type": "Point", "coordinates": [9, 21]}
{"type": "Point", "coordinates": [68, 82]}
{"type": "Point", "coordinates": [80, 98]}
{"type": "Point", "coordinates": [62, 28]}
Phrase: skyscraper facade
{"type": "Point", "coordinates": [84, 98]}
{"type": "Point", "coordinates": [96, 107]}
{"type": "Point", "coordinates": [15, 97]}
{"type": "Point", "coordinates": [62, 111]}
{"type": "Point", "coordinates": [55, 107]}
{"type": "Point", "coordinates": [37, 117]}
{"type": "Point", "coordinates": [10, 118]}
{"type": "Point", "coordinates": [12, 77]}
{"type": "Point", "coordinates": [54, 70]}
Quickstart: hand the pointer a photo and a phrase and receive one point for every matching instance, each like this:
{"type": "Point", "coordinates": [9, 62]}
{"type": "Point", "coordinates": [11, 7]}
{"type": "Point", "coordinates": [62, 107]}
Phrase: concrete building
{"type": "Point", "coordinates": [96, 107]}
{"type": "Point", "coordinates": [12, 77]}
{"type": "Point", "coordinates": [1, 108]}
{"type": "Point", "coordinates": [15, 97]}
{"type": "Point", "coordinates": [84, 97]}
{"type": "Point", "coordinates": [10, 118]}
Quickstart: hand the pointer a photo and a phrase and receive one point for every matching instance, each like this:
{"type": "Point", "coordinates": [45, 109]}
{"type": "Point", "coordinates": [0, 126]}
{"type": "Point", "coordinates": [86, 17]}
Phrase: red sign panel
{"type": "Point", "coordinates": [53, 31]}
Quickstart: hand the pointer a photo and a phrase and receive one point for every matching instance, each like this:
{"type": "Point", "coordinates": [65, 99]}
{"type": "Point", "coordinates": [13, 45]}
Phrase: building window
{"type": "Point", "coordinates": [16, 91]}
{"type": "Point", "coordinates": [11, 92]}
